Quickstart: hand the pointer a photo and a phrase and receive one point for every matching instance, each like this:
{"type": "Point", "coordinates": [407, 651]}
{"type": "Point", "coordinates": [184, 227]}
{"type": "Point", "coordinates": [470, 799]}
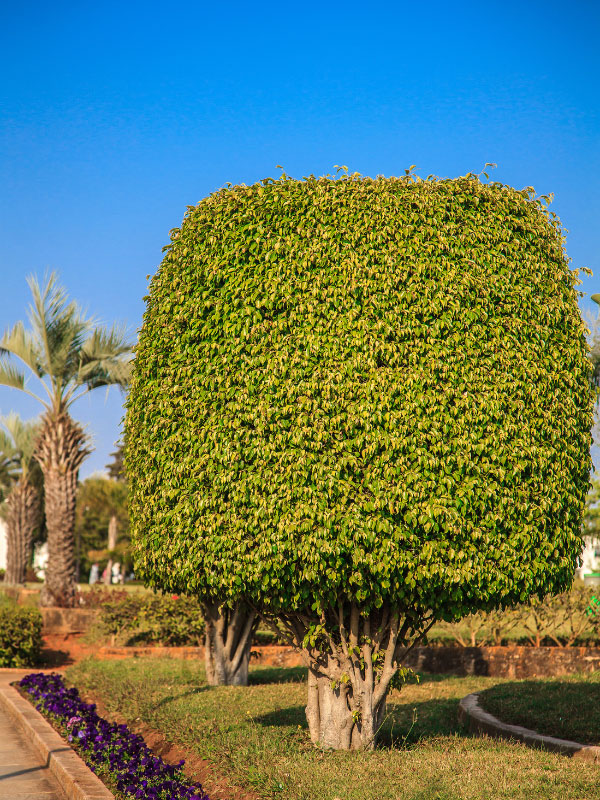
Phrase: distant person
{"type": "Point", "coordinates": [116, 572]}
{"type": "Point", "coordinates": [94, 574]}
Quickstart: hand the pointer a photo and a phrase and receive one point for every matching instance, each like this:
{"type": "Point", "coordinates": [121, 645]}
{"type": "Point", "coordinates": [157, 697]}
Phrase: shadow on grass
{"type": "Point", "coordinates": [260, 675]}
{"type": "Point", "coordinates": [567, 709]}
{"type": "Point", "coordinates": [406, 725]}
{"type": "Point", "coordinates": [435, 791]}
{"type": "Point", "coordinates": [431, 677]}
{"type": "Point", "coordinates": [173, 698]}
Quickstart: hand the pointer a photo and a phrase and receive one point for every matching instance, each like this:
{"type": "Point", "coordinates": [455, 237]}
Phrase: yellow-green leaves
{"type": "Point", "coordinates": [361, 389]}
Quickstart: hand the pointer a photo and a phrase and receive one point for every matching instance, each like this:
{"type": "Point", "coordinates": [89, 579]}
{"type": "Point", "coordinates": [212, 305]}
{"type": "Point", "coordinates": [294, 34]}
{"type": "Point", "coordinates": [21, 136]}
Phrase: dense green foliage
{"type": "Point", "coordinates": [20, 635]}
{"type": "Point", "coordinates": [143, 619]}
{"type": "Point", "coordinates": [368, 390]}
{"type": "Point", "coordinates": [591, 517]}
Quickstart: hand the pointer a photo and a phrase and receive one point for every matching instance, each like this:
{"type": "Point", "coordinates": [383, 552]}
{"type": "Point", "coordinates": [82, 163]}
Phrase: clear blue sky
{"type": "Point", "coordinates": [116, 116]}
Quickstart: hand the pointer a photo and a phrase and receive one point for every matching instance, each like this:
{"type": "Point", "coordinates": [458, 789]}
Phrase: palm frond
{"type": "Point", "coordinates": [11, 376]}
{"type": "Point", "coordinates": [49, 301]}
{"type": "Point", "coordinates": [66, 336]}
{"type": "Point", "coordinates": [19, 342]}
{"type": "Point", "coordinates": [7, 447]}
{"type": "Point", "coordinates": [106, 358]}
{"type": "Point", "coordinates": [59, 327]}
{"type": "Point", "coordinates": [7, 477]}
{"type": "Point", "coordinates": [8, 463]}
{"type": "Point", "coordinates": [23, 434]}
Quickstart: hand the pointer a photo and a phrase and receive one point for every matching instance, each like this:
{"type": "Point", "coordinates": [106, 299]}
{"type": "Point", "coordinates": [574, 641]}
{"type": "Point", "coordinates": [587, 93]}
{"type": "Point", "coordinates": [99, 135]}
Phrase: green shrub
{"type": "Point", "coordinates": [20, 635]}
{"type": "Point", "coordinates": [168, 621]}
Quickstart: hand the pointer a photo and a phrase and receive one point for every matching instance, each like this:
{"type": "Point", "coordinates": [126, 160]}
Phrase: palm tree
{"type": "Point", "coordinates": [22, 509]}
{"type": "Point", "coordinates": [69, 355]}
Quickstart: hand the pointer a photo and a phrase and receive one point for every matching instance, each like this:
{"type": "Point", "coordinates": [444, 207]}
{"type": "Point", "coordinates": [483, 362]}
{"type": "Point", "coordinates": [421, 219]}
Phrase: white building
{"type": "Point", "coordinates": [40, 553]}
{"type": "Point", "coordinates": [590, 561]}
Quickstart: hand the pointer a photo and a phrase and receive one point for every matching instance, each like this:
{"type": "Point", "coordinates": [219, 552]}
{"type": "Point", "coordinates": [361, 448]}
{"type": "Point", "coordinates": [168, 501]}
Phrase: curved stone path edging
{"type": "Point", "coordinates": [471, 714]}
{"type": "Point", "coordinates": [76, 779]}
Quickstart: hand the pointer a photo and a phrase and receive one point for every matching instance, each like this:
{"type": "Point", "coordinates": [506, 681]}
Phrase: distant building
{"type": "Point", "coordinates": [590, 561]}
{"type": "Point", "coordinates": [40, 553]}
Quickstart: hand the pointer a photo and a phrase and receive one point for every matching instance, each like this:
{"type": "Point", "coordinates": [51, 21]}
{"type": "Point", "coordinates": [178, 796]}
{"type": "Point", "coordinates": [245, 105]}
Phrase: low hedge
{"type": "Point", "coordinates": [20, 635]}
{"type": "Point", "coordinates": [169, 620]}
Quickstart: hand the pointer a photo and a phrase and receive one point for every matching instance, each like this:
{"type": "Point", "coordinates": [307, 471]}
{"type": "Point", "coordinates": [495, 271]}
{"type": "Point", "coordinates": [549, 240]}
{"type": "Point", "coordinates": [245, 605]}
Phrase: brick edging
{"type": "Point", "coordinates": [75, 778]}
{"type": "Point", "coordinates": [477, 720]}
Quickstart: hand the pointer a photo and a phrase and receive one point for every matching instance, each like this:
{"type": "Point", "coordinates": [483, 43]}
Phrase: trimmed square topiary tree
{"type": "Point", "coordinates": [360, 405]}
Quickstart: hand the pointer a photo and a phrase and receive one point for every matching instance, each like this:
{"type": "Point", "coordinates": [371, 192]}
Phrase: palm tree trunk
{"type": "Point", "coordinates": [60, 450]}
{"type": "Point", "coordinates": [23, 511]}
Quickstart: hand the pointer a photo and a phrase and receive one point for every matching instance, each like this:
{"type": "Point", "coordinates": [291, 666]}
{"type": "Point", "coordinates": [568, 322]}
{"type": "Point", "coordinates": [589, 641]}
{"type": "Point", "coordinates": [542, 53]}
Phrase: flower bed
{"type": "Point", "coordinates": [113, 752]}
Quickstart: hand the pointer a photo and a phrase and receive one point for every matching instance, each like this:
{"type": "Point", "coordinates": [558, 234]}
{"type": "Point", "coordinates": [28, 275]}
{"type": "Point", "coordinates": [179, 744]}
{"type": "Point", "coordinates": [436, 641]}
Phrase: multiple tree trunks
{"type": "Point", "coordinates": [352, 659]}
{"type": "Point", "coordinates": [23, 512]}
{"type": "Point", "coordinates": [227, 639]}
{"type": "Point", "coordinates": [60, 450]}
{"type": "Point", "coordinates": [333, 720]}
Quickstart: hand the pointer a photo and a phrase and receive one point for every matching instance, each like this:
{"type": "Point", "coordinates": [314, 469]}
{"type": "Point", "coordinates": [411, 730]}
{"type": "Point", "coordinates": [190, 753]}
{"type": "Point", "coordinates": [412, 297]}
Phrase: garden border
{"type": "Point", "coordinates": [76, 780]}
{"type": "Point", "coordinates": [479, 721]}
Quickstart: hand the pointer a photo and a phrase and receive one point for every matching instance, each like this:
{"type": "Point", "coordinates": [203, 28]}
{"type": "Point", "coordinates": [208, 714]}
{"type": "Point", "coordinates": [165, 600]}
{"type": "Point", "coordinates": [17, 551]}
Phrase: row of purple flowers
{"type": "Point", "coordinates": [107, 748]}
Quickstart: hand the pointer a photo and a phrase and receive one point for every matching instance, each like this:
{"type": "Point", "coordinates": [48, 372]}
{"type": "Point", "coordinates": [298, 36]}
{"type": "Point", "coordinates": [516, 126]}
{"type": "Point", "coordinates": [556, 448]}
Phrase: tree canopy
{"type": "Point", "coordinates": [366, 390]}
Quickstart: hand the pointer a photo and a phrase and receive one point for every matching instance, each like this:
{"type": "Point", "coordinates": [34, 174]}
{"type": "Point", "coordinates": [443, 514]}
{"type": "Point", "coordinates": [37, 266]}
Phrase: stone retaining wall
{"type": "Point", "coordinates": [263, 655]}
{"type": "Point", "coordinates": [67, 620]}
{"type": "Point", "coordinates": [508, 662]}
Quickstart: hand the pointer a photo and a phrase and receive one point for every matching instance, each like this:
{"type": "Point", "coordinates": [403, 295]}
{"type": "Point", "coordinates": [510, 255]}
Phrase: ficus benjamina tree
{"type": "Point", "coordinates": [359, 406]}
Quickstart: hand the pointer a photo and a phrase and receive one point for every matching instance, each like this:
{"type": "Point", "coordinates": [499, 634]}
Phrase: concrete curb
{"type": "Point", "coordinates": [479, 721]}
{"type": "Point", "coordinates": [75, 778]}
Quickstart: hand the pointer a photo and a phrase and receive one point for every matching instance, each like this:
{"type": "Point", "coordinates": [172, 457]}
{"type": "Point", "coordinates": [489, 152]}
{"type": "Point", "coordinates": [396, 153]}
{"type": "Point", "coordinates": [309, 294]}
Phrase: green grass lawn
{"type": "Point", "coordinates": [567, 707]}
{"type": "Point", "coordinates": [257, 735]}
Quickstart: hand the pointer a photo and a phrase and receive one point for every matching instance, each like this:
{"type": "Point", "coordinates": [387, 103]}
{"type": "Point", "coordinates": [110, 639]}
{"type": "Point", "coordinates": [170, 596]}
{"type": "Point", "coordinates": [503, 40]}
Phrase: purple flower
{"type": "Point", "coordinates": [134, 769]}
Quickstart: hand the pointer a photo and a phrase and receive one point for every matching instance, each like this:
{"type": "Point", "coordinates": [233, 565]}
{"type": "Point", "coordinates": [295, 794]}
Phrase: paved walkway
{"type": "Point", "coordinates": [23, 775]}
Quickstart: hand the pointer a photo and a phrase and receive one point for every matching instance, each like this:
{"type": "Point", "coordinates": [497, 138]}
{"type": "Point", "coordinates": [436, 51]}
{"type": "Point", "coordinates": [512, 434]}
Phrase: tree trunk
{"type": "Point", "coordinates": [331, 721]}
{"type": "Point", "coordinates": [23, 511]}
{"type": "Point", "coordinates": [60, 450]}
{"type": "Point", "coordinates": [227, 640]}
{"type": "Point", "coordinates": [352, 659]}
{"type": "Point", "coordinates": [112, 543]}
